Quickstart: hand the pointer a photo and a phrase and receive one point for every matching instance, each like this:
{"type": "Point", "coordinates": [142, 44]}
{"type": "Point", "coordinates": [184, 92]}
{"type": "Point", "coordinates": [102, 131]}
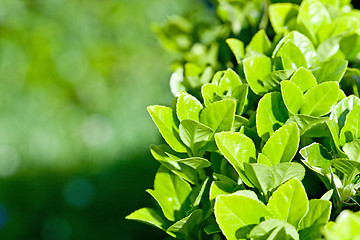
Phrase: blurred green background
{"type": "Point", "coordinates": [75, 79]}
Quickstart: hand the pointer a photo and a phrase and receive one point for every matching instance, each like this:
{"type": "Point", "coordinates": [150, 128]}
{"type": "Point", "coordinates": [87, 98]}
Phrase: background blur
{"type": "Point", "coordinates": [75, 79]}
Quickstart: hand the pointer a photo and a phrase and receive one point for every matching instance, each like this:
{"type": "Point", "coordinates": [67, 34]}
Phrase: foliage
{"type": "Point", "coordinates": [270, 147]}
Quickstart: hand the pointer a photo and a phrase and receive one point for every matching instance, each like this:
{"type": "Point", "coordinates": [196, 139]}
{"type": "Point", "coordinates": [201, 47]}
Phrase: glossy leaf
{"type": "Point", "coordinates": [332, 70]}
{"type": "Point", "coordinates": [283, 144]}
{"type": "Point", "coordinates": [164, 120]}
{"type": "Point", "coordinates": [260, 176]}
{"type": "Point", "coordinates": [236, 215]}
{"type": "Point", "coordinates": [281, 14]}
{"type": "Point", "coordinates": [271, 114]}
{"type": "Point", "coordinates": [219, 116]}
{"type": "Point", "coordinates": [291, 56]}
{"type": "Point", "coordinates": [304, 79]}
{"type": "Point", "coordinates": [320, 99]}
{"type": "Point", "coordinates": [352, 150]}
{"type": "Point", "coordinates": [229, 81]}
{"type": "Point", "coordinates": [286, 171]}
{"type": "Point", "coordinates": [317, 157]}
{"type": "Point", "coordinates": [351, 129]}
{"type": "Point", "coordinates": [260, 43]}
{"type": "Point", "coordinates": [237, 47]}
{"type": "Point", "coordinates": [342, 108]}
{"type": "Point", "coordinates": [289, 202]}
{"type": "Point", "coordinates": [194, 134]}
{"type": "Point", "coordinates": [171, 192]}
{"type": "Point", "coordinates": [292, 96]}
{"type": "Point", "coordinates": [269, 229]}
{"type": "Point", "coordinates": [188, 227]}
{"type": "Point", "coordinates": [256, 69]}
{"type": "Point", "coordinates": [188, 107]}
{"type": "Point", "coordinates": [150, 216]}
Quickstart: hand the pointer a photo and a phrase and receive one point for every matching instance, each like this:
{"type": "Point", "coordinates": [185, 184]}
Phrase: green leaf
{"type": "Point", "coordinates": [269, 228]}
{"type": "Point", "coordinates": [332, 70]}
{"type": "Point", "coordinates": [286, 171]}
{"type": "Point", "coordinates": [317, 157]}
{"type": "Point", "coordinates": [329, 48]}
{"type": "Point", "coordinates": [188, 107]}
{"type": "Point", "coordinates": [306, 123]}
{"type": "Point", "coordinates": [209, 91]}
{"type": "Point", "coordinates": [352, 150]}
{"type": "Point", "coordinates": [171, 192]}
{"type": "Point", "coordinates": [312, 16]}
{"type": "Point", "coordinates": [327, 196]}
{"type": "Point", "coordinates": [318, 215]}
{"type": "Point", "coordinates": [351, 129]}
{"type": "Point", "coordinates": [219, 116]}
{"type": "Point", "coordinates": [176, 81]}
{"type": "Point", "coordinates": [292, 96]}
{"type": "Point", "coordinates": [195, 162]}
{"type": "Point", "coordinates": [282, 15]}
{"type": "Point", "coordinates": [304, 79]}
{"type": "Point", "coordinates": [342, 108]}
{"type": "Point", "coordinates": [291, 56]}
{"type": "Point", "coordinates": [236, 215]}
{"type": "Point", "coordinates": [260, 176]}
{"type": "Point", "coordinates": [194, 134]}
{"type": "Point", "coordinates": [289, 202]}
{"type": "Point", "coordinates": [229, 81]}
{"type": "Point", "coordinates": [188, 227]}
{"type": "Point", "coordinates": [240, 94]}
{"type": "Point", "coordinates": [260, 43]}
{"type": "Point", "coordinates": [303, 43]}
{"type": "Point", "coordinates": [272, 81]}
{"type": "Point", "coordinates": [163, 117]}
{"type": "Point", "coordinates": [271, 114]}
{"type": "Point", "coordinates": [346, 226]}
{"type": "Point", "coordinates": [150, 216]}
{"type": "Point", "coordinates": [283, 144]}
{"type": "Point", "coordinates": [320, 99]}
{"type": "Point", "coordinates": [237, 149]}
{"type": "Point", "coordinates": [348, 167]}
{"type": "Point", "coordinates": [165, 155]}
{"type": "Point", "coordinates": [256, 68]}
{"type": "Point", "coordinates": [237, 47]}
{"type": "Point", "coordinates": [263, 159]}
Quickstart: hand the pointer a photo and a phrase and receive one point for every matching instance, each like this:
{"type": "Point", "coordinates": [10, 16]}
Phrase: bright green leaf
{"type": "Point", "coordinates": [256, 68]}
{"type": "Point", "coordinates": [304, 79]}
{"type": "Point", "coordinates": [286, 171]}
{"type": "Point", "coordinates": [342, 109]}
{"type": "Point", "coordinates": [164, 120]}
{"type": "Point", "coordinates": [291, 56]}
{"type": "Point", "coordinates": [150, 216]}
{"type": "Point", "coordinates": [188, 227]}
{"type": "Point", "coordinates": [194, 134]}
{"type": "Point", "coordinates": [281, 14]}
{"type": "Point", "coordinates": [289, 202]}
{"type": "Point", "coordinates": [188, 107]}
{"type": "Point", "coordinates": [237, 47]}
{"type": "Point", "coordinates": [266, 230]}
{"type": "Point", "coordinates": [292, 96]}
{"type": "Point", "coordinates": [260, 176]}
{"type": "Point", "coordinates": [259, 43]}
{"type": "Point", "coordinates": [283, 144]}
{"type": "Point", "coordinates": [351, 129]}
{"type": "Point", "coordinates": [332, 70]}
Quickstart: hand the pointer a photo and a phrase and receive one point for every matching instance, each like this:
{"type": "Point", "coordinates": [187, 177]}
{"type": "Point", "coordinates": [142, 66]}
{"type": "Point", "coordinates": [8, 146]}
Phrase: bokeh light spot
{"type": "Point", "coordinates": [9, 161]}
{"type": "Point", "coordinates": [79, 192]}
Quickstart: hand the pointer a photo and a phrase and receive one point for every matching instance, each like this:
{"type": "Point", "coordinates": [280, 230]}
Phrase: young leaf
{"type": "Point", "coordinates": [194, 134]}
{"type": "Point", "coordinates": [292, 96]}
{"type": "Point", "coordinates": [291, 56]}
{"type": "Point", "coordinates": [260, 43]}
{"type": "Point", "coordinates": [188, 107]}
{"type": "Point", "coordinates": [303, 43]}
{"type": "Point", "coordinates": [195, 162]}
{"type": "Point", "coordinates": [351, 129]}
{"type": "Point", "coordinates": [171, 192]}
{"type": "Point", "coordinates": [281, 14]}
{"type": "Point", "coordinates": [352, 150]}
{"type": "Point", "coordinates": [256, 68]}
{"type": "Point", "coordinates": [318, 215]}
{"type": "Point", "coordinates": [237, 47]}
{"type": "Point", "coordinates": [236, 215]}
{"type": "Point", "coordinates": [342, 108]}
{"type": "Point", "coordinates": [260, 176]}
{"type": "Point", "coordinates": [304, 79]}
{"type": "Point", "coordinates": [188, 227]}
{"type": "Point", "coordinates": [269, 229]}
{"type": "Point", "coordinates": [332, 70]}
{"type": "Point", "coordinates": [209, 91]}
{"type": "Point", "coordinates": [150, 216]}
{"type": "Point", "coordinates": [219, 116]}
{"type": "Point", "coordinates": [229, 81]}
{"type": "Point", "coordinates": [164, 120]}
{"type": "Point", "coordinates": [283, 144]}
{"type": "Point", "coordinates": [320, 99]}
{"type": "Point", "coordinates": [237, 149]}
{"type": "Point", "coordinates": [312, 16]}
{"type": "Point", "coordinates": [271, 114]}
{"type": "Point", "coordinates": [286, 171]}
{"type": "Point", "coordinates": [317, 157]}
{"type": "Point", "coordinates": [289, 202]}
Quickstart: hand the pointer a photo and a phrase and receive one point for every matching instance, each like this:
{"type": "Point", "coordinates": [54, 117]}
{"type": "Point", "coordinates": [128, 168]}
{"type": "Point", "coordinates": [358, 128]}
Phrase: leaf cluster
{"type": "Point", "coordinates": [270, 147]}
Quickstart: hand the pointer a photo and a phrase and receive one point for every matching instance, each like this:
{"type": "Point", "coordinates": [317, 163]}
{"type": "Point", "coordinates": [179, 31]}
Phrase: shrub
{"type": "Point", "coordinates": [269, 148]}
